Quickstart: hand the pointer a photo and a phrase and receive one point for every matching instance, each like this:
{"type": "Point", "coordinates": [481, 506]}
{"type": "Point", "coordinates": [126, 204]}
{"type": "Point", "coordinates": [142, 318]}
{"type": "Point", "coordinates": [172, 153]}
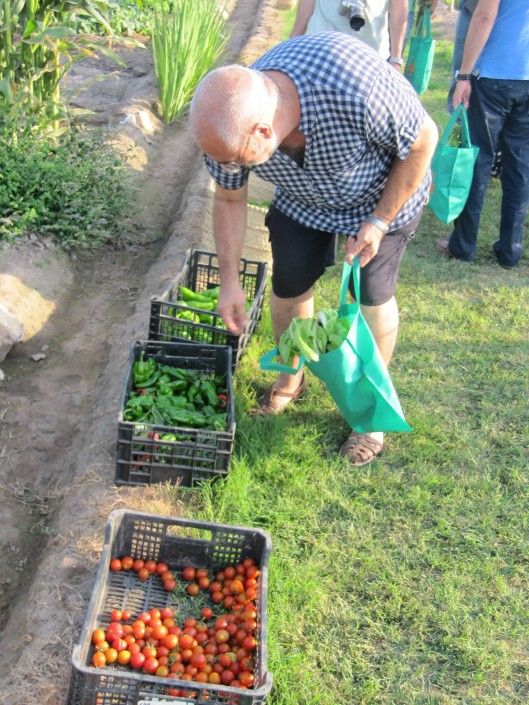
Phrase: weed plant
{"type": "Point", "coordinates": [72, 188]}
{"type": "Point", "coordinates": [188, 38]}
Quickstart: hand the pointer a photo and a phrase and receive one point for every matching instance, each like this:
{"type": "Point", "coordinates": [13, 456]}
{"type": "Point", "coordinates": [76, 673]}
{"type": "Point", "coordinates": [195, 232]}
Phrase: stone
{"type": "Point", "coordinates": [11, 331]}
{"type": "Point", "coordinates": [38, 356]}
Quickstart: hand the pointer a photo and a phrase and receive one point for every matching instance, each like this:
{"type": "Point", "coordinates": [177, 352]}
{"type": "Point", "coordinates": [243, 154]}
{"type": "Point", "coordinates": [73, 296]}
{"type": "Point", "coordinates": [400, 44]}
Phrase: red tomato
{"type": "Point", "coordinates": [169, 585]}
{"type": "Point", "coordinates": [150, 665]}
{"type": "Point", "coordinates": [159, 632]}
{"type": "Point", "coordinates": [188, 573]}
{"type": "Point", "coordinates": [127, 562]}
{"type": "Point", "coordinates": [214, 677]}
{"type": "Point", "coordinates": [217, 597]}
{"type": "Point", "coordinates": [111, 655]}
{"type": "Point", "coordinates": [227, 677]}
{"type": "Point", "coordinates": [116, 615]}
{"type": "Point", "coordinates": [246, 679]}
{"type": "Point", "coordinates": [150, 566]}
{"type": "Point", "coordinates": [119, 644]}
{"type": "Point", "coordinates": [98, 659]}
{"type": "Point", "coordinates": [137, 660]}
{"type": "Point", "coordinates": [124, 657]}
{"type": "Point", "coordinates": [229, 572]}
{"type": "Point", "coordinates": [161, 671]}
{"type": "Point", "coordinates": [221, 636]}
{"type": "Point", "coordinates": [98, 635]}
{"type": "Point", "coordinates": [138, 563]}
{"type": "Point", "coordinates": [143, 574]}
{"type": "Point", "coordinates": [185, 641]}
{"type": "Point", "coordinates": [166, 613]}
{"type": "Point", "coordinates": [249, 643]}
{"type": "Point", "coordinates": [161, 568]}
{"type": "Point", "coordinates": [193, 589]}
{"type": "Point", "coordinates": [206, 612]}
{"type": "Point", "coordinates": [170, 641]}
{"type": "Point", "coordinates": [115, 564]}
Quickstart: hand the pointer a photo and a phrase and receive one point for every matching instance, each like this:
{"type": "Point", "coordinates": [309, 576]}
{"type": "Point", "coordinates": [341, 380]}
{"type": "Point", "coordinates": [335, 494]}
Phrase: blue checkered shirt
{"type": "Point", "coordinates": [358, 114]}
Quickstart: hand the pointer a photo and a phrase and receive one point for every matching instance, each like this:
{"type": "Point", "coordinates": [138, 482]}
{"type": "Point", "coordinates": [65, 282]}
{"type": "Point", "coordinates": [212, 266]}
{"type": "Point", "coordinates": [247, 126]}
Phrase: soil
{"type": "Point", "coordinates": [58, 414]}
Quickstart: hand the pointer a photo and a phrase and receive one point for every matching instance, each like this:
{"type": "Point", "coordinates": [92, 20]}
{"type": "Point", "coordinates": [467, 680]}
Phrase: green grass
{"type": "Point", "coordinates": [406, 582]}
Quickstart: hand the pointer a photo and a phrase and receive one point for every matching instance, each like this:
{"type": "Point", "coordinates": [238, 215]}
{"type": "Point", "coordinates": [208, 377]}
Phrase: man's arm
{"type": "Point", "coordinates": [397, 20]}
{"type": "Point", "coordinates": [479, 31]}
{"type": "Point", "coordinates": [303, 15]}
{"type": "Point", "coordinates": [229, 230]}
{"type": "Point", "coordinates": [404, 179]}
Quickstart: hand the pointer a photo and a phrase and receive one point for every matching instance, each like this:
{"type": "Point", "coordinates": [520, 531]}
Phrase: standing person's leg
{"type": "Point", "coordinates": [515, 175]}
{"type": "Point", "coordinates": [486, 114]}
{"type": "Point", "coordinates": [378, 282]}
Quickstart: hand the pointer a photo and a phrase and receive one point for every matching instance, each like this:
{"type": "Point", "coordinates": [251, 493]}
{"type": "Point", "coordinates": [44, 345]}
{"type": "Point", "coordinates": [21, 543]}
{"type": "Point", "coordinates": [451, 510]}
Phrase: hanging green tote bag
{"type": "Point", "coordinates": [452, 170]}
{"type": "Point", "coordinates": [354, 373]}
{"type": "Point", "coordinates": [420, 57]}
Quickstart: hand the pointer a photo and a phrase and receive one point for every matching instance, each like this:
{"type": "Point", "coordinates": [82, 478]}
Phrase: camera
{"type": "Point", "coordinates": [355, 10]}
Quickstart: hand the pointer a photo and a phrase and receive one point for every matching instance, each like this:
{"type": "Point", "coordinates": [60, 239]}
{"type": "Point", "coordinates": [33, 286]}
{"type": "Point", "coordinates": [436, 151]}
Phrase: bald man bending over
{"type": "Point", "coordinates": [347, 144]}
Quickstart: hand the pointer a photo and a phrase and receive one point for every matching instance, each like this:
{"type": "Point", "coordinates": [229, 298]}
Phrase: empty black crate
{"type": "Point", "coordinates": [200, 272]}
{"type": "Point", "coordinates": [198, 454]}
{"type": "Point", "coordinates": [177, 542]}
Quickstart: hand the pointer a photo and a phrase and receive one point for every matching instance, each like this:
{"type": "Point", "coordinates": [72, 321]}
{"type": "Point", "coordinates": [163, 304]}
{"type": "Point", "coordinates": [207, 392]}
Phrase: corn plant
{"type": "Point", "coordinates": [38, 44]}
{"type": "Point", "coordinates": [187, 39]}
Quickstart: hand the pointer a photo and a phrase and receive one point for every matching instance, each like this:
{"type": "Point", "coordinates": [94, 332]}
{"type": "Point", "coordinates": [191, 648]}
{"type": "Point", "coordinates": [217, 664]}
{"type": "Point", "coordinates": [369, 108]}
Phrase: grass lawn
{"type": "Point", "coordinates": [405, 582]}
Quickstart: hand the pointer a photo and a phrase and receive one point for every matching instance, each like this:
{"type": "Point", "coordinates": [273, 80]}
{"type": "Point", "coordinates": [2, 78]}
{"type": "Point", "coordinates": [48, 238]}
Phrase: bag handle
{"type": "Point", "coordinates": [424, 28]}
{"type": "Point", "coordinates": [266, 362]}
{"type": "Point", "coordinates": [346, 276]}
{"type": "Point", "coordinates": [460, 113]}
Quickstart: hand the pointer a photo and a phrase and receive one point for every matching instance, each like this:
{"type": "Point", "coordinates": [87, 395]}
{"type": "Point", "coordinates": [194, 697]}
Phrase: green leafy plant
{"type": "Point", "coordinates": [73, 188]}
{"type": "Point", "coordinates": [188, 38]}
{"type": "Point", "coordinates": [38, 44]}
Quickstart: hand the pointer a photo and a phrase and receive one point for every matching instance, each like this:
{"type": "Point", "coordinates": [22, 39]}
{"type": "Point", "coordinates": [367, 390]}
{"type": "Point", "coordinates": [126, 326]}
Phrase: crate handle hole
{"type": "Point", "coordinates": [190, 532]}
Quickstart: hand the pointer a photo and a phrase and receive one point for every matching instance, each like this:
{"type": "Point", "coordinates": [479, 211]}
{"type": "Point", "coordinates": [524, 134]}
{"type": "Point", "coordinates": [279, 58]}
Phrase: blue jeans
{"type": "Point", "coordinates": [463, 21]}
{"type": "Point", "coordinates": [498, 115]}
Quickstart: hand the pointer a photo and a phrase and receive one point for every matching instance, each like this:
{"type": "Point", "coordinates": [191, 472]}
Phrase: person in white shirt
{"type": "Point", "coordinates": [383, 29]}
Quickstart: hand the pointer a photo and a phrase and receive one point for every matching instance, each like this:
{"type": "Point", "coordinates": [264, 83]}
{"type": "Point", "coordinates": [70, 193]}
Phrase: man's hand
{"type": "Point", "coordinates": [462, 93]}
{"type": "Point", "coordinates": [232, 307]}
{"type": "Point", "coordinates": [364, 245]}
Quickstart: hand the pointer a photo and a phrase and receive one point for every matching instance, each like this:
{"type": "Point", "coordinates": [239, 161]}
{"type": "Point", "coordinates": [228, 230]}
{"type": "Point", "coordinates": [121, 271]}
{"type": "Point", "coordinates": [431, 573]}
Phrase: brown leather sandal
{"type": "Point", "coordinates": [361, 448]}
{"type": "Point", "coordinates": [270, 402]}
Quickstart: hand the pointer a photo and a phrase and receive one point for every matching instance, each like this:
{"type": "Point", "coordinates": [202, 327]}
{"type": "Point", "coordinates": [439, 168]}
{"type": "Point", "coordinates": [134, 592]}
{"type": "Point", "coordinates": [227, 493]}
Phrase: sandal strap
{"type": "Point", "coordinates": [361, 447]}
{"type": "Point", "coordinates": [266, 401]}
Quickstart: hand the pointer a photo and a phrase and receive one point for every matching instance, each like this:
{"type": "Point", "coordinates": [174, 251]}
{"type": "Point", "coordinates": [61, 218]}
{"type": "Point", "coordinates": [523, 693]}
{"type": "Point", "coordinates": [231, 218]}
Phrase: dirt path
{"type": "Point", "coordinates": [59, 415]}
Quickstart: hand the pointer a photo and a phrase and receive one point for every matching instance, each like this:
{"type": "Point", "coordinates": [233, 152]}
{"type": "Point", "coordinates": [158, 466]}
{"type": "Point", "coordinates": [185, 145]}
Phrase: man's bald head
{"type": "Point", "coordinates": [227, 105]}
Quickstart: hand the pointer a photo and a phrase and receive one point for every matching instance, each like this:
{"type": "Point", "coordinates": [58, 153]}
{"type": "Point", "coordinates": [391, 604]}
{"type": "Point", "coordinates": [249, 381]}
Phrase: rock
{"type": "Point", "coordinates": [11, 331]}
{"type": "Point", "coordinates": [44, 348]}
{"type": "Point", "coordinates": [38, 356]}
{"type": "Point", "coordinates": [2, 376]}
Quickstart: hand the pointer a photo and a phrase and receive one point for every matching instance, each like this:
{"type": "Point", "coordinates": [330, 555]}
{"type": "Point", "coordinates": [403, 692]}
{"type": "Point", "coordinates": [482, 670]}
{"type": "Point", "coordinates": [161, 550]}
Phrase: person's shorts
{"type": "Point", "coordinates": [301, 255]}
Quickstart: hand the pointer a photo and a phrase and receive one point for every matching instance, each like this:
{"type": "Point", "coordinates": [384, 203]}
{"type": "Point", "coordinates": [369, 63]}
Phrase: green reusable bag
{"type": "Point", "coordinates": [354, 373]}
{"type": "Point", "coordinates": [452, 170]}
{"type": "Point", "coordinates": [420, 57]}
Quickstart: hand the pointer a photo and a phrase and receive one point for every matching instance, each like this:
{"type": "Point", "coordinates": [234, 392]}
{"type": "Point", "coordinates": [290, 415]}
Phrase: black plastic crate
{"type": "Point", "coordinates": [177, 542]}
{"type": "Point", "coordinates": [199, 454]}
{"type": "Point", "coordinates": [200, 272]}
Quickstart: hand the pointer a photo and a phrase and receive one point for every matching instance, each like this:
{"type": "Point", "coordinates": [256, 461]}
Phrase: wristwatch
{"type": "Point", "coordinates": [380, 224]}
{"type": "Point", "coordinates": [395, 60]}
{"type": "Point", "coordinates": [463, 76]}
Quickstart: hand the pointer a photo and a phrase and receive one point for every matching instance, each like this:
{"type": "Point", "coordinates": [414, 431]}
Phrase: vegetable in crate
{"type": "Point", "coordinates": [215, 643]}
{"type": "Point", "coordinates": [174, 396]}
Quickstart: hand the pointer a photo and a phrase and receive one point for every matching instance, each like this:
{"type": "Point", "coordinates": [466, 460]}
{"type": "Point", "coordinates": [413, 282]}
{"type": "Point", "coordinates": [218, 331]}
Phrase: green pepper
{"type": "Point", "coordinates": [218, 422]}
{"type": "Point", "coordinates": [206, 318]}
{"type": "Point", "coordinates": [188, 316]}
{"type": "Point", "coordinates": [143, 369]}
{"type": "Point", "coordinates": [192, 391]}
{"type": "Point", "coordinates": [211, 392]}
{"type": "Point", "coordinates": [189, 295]}
{"type": "Point", "coordinates": [173, 371]}
{"type": "Point", "coordinates": [150, 382]}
